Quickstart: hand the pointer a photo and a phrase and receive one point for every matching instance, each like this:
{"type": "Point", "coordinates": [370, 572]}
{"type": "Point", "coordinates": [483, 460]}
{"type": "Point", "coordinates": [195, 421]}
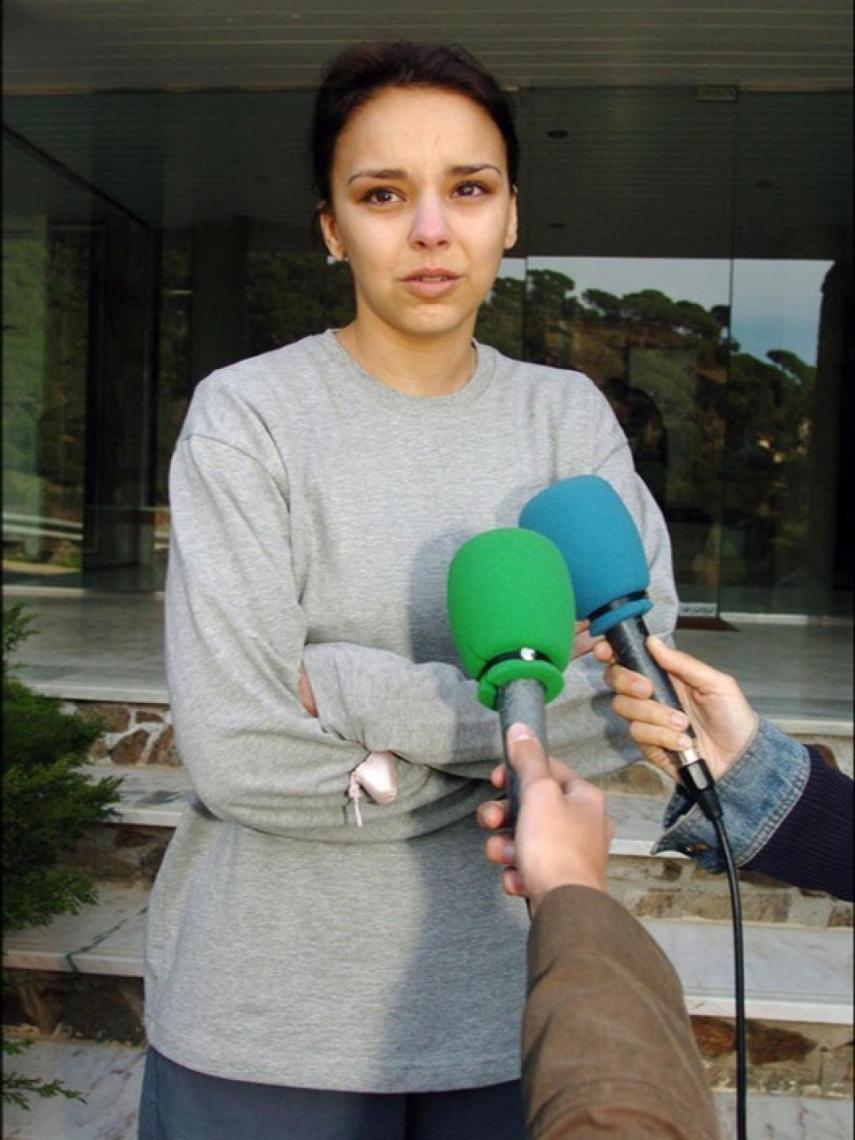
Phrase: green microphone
{"type": "Point", "coordinates": [512, 617]}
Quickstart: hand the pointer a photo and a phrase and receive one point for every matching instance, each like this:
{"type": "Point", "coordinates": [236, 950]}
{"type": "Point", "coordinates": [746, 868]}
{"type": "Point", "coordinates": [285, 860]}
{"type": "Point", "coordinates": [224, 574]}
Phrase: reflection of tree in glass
{"type": "Point", "coordinates": [768, 441]}
{"type": "Point", "coordinates": [45, 368]}
{"type": "Point", "coordinates": [699, 382]}
{"type": "Point", "coordinates": [500, 321]}
{"type": "Point", "coordinates": [293, 295]}
{"type": "Point", "coordinates": [641, 420]}
{"type": "Point", "coordinates": [174, 386]}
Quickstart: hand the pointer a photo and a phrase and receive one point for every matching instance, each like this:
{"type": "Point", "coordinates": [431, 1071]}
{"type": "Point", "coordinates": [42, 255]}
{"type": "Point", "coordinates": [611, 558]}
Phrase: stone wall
{"type": "Point", "coordinates": [783, 1057]}
{"type": "Point", "coordinates": [134, 733]}
{"type": "Point", "coordinates": [142, 734]}
{"type": "Point", "coordinates": [677, 888]}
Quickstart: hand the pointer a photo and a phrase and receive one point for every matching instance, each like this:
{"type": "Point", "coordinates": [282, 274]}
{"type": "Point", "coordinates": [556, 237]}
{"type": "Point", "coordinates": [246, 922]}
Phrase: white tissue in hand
{"type": "Point", "coordinates": [377, 775]}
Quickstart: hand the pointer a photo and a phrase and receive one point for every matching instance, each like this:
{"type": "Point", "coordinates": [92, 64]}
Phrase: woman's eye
{"type": "Point", "coordinates": [471, 189]}
{"type": "Point", "coordinates": [381, 196]}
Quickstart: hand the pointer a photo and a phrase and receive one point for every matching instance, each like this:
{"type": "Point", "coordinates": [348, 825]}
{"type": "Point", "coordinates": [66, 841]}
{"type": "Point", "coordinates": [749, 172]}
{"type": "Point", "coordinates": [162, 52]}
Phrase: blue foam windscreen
{"type": "Point", "coordinates": [587, 521]}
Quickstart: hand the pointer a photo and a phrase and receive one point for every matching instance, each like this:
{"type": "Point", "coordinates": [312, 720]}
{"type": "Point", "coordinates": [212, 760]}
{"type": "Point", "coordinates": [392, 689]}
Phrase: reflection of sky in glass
{"type": "Point", "coordinates": [513, 267]}
{"type": "Point", "coordinates": [706, 282]}
{"type": "Point", "coordinates": [775, 303]}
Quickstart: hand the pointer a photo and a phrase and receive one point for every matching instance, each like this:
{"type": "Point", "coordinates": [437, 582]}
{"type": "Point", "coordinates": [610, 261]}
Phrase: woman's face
{"type": "Point", "coordinates": [422, 209]}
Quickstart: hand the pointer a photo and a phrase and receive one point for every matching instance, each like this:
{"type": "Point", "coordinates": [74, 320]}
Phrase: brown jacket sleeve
{"type": "Point", "coordinates": [608, 1048]}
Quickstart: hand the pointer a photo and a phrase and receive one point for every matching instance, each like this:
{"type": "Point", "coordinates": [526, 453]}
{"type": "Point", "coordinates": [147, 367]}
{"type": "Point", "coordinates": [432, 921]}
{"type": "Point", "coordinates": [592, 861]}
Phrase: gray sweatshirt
{"type": "Point", "coordinates": [315, 511]}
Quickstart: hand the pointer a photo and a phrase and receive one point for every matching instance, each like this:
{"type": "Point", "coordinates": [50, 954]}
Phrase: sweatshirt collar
{"type": "Point", "coordinates": [356, 378]}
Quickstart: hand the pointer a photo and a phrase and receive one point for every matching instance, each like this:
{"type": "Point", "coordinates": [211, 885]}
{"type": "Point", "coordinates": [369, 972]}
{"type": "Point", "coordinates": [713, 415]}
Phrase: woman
{"type": "Point", "coordinates": [308, 973]}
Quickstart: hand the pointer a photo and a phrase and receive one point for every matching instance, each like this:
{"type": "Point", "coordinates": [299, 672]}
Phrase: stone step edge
{"type": "Point", "coordinates": [697, 1004]}
{"type": "Point", "coordinates": [154, 797]}
{"type": "Point", "coordinates": [117, 951]}
{"type": "Point", "coordinates": [111, 1075]}
{"type": "Point", "coordinates": [139, 693]}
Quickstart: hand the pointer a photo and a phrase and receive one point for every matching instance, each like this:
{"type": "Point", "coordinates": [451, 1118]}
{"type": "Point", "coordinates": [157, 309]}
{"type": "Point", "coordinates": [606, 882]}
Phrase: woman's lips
{"type": "Point", "coordinates": [431, 283]}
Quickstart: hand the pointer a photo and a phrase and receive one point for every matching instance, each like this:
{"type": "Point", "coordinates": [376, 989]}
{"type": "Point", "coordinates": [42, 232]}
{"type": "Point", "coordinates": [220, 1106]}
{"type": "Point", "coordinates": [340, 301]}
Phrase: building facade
{"type": "Point", "coordinates": [687, 244]}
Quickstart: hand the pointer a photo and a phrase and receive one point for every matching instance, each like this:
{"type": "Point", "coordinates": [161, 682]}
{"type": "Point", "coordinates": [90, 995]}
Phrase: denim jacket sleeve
{"type": "Point", "coordinates": [757, 793]}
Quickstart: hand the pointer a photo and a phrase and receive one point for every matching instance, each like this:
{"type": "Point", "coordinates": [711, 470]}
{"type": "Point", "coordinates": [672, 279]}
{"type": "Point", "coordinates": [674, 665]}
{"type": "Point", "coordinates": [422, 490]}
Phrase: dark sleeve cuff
{"type": "Point", "coordinates": [812, 848]}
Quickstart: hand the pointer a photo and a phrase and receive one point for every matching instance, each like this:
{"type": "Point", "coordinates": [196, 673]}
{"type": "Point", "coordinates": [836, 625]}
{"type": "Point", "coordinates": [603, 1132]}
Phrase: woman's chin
{"type": "Point", "coordinates": [437, 319]}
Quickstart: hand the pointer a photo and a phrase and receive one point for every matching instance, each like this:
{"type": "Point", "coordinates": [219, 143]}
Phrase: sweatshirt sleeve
{"type": "Point", "coordinates": [607, 1045]}
{"type": "Point", "coordinates": [235, 636]}
{"type": "Point", "coordinates": [428, 713]}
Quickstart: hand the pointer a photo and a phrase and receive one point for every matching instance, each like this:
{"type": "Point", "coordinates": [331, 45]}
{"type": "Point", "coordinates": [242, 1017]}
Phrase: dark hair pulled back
{"type": "Point", "coordinates": [364, 69]}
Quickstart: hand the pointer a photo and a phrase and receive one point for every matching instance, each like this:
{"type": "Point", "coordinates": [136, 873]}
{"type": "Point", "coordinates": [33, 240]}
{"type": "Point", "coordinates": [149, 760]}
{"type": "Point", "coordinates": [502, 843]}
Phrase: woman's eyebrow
{"type": "Point", "coordinates": [474, 168]}
{"type": "Point", "coordinates": [377, 174]}
{"type": "Point", "coordinates": [467, 168]}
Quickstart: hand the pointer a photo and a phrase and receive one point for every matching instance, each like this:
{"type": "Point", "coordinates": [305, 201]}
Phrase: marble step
{"type": "Point", "coordinates": [110, 1077]}
{"type": "Point", "coordinates": [793, 974]}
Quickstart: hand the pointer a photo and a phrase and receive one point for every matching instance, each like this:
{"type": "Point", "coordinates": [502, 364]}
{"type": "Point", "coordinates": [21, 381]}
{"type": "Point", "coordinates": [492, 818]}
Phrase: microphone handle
{"type": "Point", "coordinates": [520, 700]}
{"type": "Point", "coordinates": [629, 641]}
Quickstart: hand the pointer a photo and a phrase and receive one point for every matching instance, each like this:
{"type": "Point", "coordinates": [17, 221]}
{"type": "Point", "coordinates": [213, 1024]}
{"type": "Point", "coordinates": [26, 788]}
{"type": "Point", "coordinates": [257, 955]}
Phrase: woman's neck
{"type": "Point", "coordinates": [418, 366]}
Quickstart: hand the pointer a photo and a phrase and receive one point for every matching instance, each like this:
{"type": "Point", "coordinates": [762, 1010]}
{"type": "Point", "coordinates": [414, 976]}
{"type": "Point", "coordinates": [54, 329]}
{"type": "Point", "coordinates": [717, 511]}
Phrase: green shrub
{"type": "Point", "coordinates": [47, 805]}
{"type": "Point", "coordinates": [17, 625]}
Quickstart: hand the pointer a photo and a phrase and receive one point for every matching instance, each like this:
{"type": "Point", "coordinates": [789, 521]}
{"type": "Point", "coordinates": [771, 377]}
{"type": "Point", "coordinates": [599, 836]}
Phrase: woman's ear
{"type": "Point", "coordinates": [329, 231]}
{"type": "Point", "coordinates": [512, 231]}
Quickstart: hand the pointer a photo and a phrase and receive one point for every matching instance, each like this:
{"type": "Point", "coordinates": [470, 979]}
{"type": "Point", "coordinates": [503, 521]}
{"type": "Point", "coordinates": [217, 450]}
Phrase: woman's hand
{"type": "Point", "coordinates": [563, 832]}
{"type": "Point", "coordinates": [582, 641]}
{"type": "Point", "coordinates": [304, 691]}
{"type": "Point", "coordinates": [722, 718]}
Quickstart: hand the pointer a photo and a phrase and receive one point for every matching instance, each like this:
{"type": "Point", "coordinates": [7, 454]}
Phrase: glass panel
{"type": "Point", "coordinates": [652, 334]}
{"type": "Point", "coordinates": [77, 424]}
{"type": "Point", "coordinates": [501, 321]}
{"type": "Point", "coordinates": [174, 384]}
{"type": "Point", "coordinates": [773, 382]}
{"type": "Point", "coordinates": [787, 545]}
{"type": "Point", "coordinates": [627, 200]}
{"type": "Point", "coordinates": [627, 173]}
{"type": "Point", "coordinates": [292, 295]}
{"type": "Point", "coordinates": [46, 268]}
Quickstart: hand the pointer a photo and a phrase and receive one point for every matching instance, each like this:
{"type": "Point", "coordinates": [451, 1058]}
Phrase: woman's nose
{"type": "Point", "coordinates": [430, 225]}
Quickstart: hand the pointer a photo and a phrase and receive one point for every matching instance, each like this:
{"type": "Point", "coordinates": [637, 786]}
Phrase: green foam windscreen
{"type": "Point", "coordinates": [511, 611]}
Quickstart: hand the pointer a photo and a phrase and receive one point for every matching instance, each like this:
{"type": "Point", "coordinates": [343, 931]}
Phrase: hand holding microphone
{"type": "Point", "coordinates": [720, 714]}
{"type": "Point", "coordinates": [562, 834]}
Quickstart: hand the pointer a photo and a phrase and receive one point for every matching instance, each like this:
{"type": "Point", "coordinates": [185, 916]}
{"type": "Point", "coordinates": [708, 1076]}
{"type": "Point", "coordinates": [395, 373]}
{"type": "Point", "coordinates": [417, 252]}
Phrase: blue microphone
{"type": "Point", "coordinates": [588, 522]}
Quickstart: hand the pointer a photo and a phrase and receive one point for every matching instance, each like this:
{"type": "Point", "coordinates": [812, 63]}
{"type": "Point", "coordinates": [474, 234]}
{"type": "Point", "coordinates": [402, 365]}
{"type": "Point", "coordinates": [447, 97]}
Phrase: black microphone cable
{"type": "Point", "coordinates": [739, 980]}
{"type": "Point", "coordinates": [697, 782]}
